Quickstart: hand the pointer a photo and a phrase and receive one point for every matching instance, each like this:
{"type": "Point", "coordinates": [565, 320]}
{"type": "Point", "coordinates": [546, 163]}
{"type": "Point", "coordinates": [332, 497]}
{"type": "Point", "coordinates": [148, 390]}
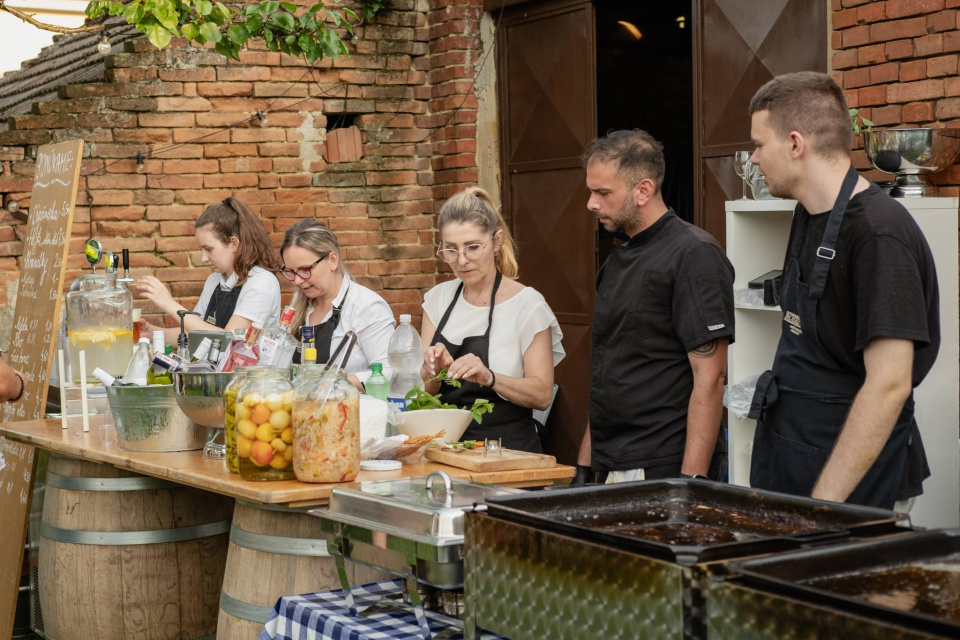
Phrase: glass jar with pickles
{"type": "Point", "coordinates": [230, 417]}
{"type": "Point", "coordinates": [326, 427]}
{"type": "Point", "coordinates": [264, 408]}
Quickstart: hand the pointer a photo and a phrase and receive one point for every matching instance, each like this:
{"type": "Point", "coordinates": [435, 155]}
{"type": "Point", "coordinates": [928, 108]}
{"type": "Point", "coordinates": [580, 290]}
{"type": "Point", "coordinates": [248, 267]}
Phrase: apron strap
{"type": "Point", "coordinates": [828, 245]}
{"type": "Point", "coordinates": [446, 314]}
{"type": "Point", "coordinates": [493, 297]}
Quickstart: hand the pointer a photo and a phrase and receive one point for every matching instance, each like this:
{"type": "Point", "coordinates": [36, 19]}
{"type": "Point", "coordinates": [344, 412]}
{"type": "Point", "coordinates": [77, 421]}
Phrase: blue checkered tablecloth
{"type": "Point", "coordinates": [326, 616]}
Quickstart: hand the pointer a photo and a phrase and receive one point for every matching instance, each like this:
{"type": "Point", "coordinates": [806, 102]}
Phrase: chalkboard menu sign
{"type": "Point", "coordinates": [32, 340]}
{"type": "Point", "coordinates": [18, 462]}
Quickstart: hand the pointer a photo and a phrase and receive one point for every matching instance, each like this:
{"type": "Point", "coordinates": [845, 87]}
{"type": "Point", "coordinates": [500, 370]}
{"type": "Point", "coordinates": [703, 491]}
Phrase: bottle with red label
{"type": "Point", "coordinates": [246, 353]}
{"type": "Point", "coordinates": [277, 346]}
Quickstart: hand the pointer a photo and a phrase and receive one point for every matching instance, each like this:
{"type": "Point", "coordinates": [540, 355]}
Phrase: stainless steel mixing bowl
{"type": "Point", "coordinates": [910, 153]}
{"type": "Point", "coordinates": [200, 397]}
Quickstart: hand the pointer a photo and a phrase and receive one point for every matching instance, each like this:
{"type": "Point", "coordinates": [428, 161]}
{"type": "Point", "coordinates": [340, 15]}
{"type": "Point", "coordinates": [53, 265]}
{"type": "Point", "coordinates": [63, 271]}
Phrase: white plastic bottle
{"type": "Point", "coordinates": [405, 355]}
{"type": "Point", "coordinates": [136, 372]}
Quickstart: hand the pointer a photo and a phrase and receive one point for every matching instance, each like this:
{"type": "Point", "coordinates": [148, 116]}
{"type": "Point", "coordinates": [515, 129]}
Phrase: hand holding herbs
{"type": "Point", "coordinates": [417, 398]}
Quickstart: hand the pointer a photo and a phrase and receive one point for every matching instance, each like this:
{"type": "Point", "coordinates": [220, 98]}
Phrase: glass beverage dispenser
{"type": "Point", "coordinates": [100, 322]}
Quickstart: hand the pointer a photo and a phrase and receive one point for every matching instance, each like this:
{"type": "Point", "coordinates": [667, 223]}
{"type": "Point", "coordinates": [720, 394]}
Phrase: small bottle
{"type": "Point", "coordinates": [310, 355]}
{"type": "Point", "coordinates": [405, 354]}
{"type": "Point", "coordinates": [108, 380]}
{"type": "Point", "coordinates": [377, 385]}
{"type": "Point", "coordinates": [171, 363]}
{"type": "Point", "coordinates": [157, 374]}
{"type": "Point", "coordinates": [277, 346]}
{"type": "Point", "coordinates": [239, 335]}
{"type": "Point", "coordinates": [139, 365]}
{"type": "Point", "coordinates": [214, 357]}
{"type": "Point", "coordinates": [199, 363]}
{"type": "Point", "coordinates": [245, 354]}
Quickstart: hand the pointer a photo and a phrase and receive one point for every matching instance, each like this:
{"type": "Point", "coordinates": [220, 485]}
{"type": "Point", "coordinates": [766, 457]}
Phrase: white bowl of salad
{"type": "Point", "coordinates": [430, 422]}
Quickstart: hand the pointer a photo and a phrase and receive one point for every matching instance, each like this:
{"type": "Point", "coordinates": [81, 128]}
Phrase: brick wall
{"type": "Point", "coordinates": [897, 61]}
{"type": "Point", "coordinates": [405, 80]}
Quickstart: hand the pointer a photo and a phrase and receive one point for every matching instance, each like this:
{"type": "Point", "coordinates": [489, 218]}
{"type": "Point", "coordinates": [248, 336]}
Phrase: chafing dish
{"type": "Point", "coordinates": [619, 558]}
{"type": "Point", "coordinates": [412, 528]}
{"type": "Point", "coordinates": [905, 586]}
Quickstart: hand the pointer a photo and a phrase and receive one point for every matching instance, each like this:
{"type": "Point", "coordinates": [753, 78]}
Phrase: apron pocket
{"type": "Point", "coordinates": [784, 465]}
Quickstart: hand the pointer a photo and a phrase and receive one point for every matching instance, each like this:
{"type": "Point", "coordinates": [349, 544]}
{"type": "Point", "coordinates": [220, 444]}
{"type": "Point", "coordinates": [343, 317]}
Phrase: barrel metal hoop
{"type": "Point", "coordinates": [77, 483]}
{"type": "Point", "coordinates": [120, 538]}
{"type": "Point", "coordinates": [282, 545]}
{"type": "Point", "coordinates": [244, 610]}
{"type": "Point", "coordinates": [274, 507]}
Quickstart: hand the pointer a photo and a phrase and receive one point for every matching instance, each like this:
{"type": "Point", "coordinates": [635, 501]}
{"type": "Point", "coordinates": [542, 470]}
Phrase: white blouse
{"type": "Point", "coordinates": [370, 317]}
{"type": "Point", "coordinates": [259, 299]}
{"type": "Point", "coordinates": [515, 323]}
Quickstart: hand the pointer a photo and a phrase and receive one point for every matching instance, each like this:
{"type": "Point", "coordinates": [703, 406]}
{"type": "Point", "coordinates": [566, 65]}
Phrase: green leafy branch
{"type": "Point", "coordinates": [857, 122]}
{"type": "Point", "coordinates": [312, 33]}
{"type": "Point", "coordinates": [417, 398]}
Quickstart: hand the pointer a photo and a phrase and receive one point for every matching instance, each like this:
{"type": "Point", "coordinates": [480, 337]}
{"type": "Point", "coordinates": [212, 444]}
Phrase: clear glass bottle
{"type": "Point", "coordinates": [326, 428]}
{"type": "Point", "coordinates": [277, 346]}
{"type": "Point", "coordinates": [157, 374]}
{"type": "Point", "coordinates": [268, 397]}
{"type": "Point", "coordinates": [100, 323]}
{"type": "Point", "coordinates": [230, 419]}
{"type": "Point", "coordinates": [246, 353]}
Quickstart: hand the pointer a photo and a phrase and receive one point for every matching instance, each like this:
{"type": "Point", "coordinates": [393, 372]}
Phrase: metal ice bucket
{"type": "Point", "coordinates": [910, 153]}
{"type": "Point", "coordinates": [200, 397]}
{"type": "Point", "coordinates": [148, 419]}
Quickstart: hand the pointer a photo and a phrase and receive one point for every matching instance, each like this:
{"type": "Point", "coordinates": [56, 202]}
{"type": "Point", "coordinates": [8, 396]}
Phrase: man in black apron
{"type": "Point", "coordinates": [860, 308]}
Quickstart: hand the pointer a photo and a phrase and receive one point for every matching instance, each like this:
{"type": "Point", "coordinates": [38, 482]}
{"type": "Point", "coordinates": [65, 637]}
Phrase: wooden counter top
{"type": "Point", "coordinates": [190, 468]}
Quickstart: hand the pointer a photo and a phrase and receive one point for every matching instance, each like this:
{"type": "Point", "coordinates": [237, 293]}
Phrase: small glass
{"type": "Point", "coordinates": [492, 447]}
{"type": "Point", "coordinates": [230, 417]}
{"type": "Point", "coordinates": [264, 409]}
{"type": "Point", "coordinates": [742, 164]}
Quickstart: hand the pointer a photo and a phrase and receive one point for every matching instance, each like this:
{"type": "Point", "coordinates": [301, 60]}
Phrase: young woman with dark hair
{"type": "Point", "coordinates": [243, 287]}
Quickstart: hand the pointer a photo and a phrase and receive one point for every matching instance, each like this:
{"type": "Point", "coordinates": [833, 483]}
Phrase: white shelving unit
{"type": "Point", "coordinates": [757, 235]}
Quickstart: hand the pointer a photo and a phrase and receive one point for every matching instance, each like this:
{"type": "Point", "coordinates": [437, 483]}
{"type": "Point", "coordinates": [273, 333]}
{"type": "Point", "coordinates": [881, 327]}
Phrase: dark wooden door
{"type": "Point", "coordinates": [547, 105]}
{"type": "Point", "coordinates": [738, 46]}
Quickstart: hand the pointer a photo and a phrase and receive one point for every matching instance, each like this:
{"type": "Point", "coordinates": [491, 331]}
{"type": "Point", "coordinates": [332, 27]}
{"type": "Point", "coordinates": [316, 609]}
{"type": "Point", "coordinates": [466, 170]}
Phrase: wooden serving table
{"type": "Point", "coordinates": [270, 548]}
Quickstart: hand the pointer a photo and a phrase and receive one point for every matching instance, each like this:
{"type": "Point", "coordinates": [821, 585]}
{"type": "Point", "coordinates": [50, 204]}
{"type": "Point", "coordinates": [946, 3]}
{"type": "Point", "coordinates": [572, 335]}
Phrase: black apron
{"type": "Point", "coordinates": [221, 306]}
{"type": "Point", "coordinates": [802, 404]}
{"type": "Point", "coordinates": [511, 422]}
{"type": "Point", "coordinates": [323, 334]}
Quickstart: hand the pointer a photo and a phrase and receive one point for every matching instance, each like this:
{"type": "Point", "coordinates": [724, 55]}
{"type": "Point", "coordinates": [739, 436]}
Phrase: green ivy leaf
{"type": "Point", "coordinates": [210, 32]}
{"type": "Point", "coordinates": [283, 20]}
{"type": "Point", "coordinates": [237, 34]}
{"type": "Point", "coordinates": [253, 24]}
{"type": "Point", "coordinates": [158, 35]}
{"type": "Point", "coordinates": [315, 8]}
{"type": "Point", "coordinates": [204, 7]}
{"type": "Point", "coordinates": [270, 7]}
{"type": "Point", "coordinates": [289, 6]}
{"type": "Point", "coordinates": [251, 9]}
{"type": "Point", "coordinates": [866, 122]}
{"type": "Point", "coordinates": [190, 31]}
{"type": "Point", "coordinates": [224, 11]}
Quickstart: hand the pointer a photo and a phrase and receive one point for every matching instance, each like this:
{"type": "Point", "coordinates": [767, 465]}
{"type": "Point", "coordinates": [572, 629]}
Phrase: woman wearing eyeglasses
{"type": "Point", "coordinates": [331, 302]}
{"type": "Point", "coordinates": [242, 288]}
{"type": "Point", "coordinates": [497, 336]}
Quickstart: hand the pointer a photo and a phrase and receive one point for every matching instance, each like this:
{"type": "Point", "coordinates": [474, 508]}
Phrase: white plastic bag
{"type": "Point", "coordinates": [738, 397]}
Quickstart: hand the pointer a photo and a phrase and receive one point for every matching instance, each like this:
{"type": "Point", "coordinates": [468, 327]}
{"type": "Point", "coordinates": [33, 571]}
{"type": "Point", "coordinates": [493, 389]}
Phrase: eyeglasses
{"type": "Point", "coordinates": [470, 252]}
{"type": "Point", "coordinates": [303, 272]}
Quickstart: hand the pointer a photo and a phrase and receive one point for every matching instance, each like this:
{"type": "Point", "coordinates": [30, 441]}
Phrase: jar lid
{"type": "Point", "coordinates": [380, 465]}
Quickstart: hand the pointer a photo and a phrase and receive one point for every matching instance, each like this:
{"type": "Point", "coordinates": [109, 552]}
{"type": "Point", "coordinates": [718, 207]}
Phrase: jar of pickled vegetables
{"type": "Point", "coordinates": [326, 428]}
{"type": "Point", "coordinates": [264, 432]}
{"type": "Point", "coordinates": [230, 417]}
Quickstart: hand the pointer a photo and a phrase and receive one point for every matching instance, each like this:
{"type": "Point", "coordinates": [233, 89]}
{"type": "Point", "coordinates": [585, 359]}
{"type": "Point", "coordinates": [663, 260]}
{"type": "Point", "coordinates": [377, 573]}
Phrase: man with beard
{"type": "Point", "coordinates": [861, 319]}
{"type": "Point", "coordinates": [661, 326]}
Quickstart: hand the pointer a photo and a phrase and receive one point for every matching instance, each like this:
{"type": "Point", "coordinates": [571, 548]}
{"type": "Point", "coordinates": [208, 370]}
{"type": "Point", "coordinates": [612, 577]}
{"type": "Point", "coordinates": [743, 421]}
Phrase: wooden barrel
{"type": "Point", "coordinates": [126, 556]}
{"type": "Point", "coordinates": [275, 551]}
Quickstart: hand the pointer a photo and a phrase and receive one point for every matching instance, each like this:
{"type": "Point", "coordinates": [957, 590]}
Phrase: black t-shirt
{"type": "Point", "coordinates": [666, 291]}
{"type": "Point", "coordinates": [882, 282]}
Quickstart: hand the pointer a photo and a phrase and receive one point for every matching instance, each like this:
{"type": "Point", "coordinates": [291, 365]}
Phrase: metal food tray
{"type": "Point", "coordinates": [766, 522]}
{"type": "Point", "coordinates": [791, 575]}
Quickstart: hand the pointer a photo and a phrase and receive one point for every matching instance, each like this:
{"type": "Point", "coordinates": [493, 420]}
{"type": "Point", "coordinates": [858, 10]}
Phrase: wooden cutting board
{"type": "Point", "coordinates": [474, 460]}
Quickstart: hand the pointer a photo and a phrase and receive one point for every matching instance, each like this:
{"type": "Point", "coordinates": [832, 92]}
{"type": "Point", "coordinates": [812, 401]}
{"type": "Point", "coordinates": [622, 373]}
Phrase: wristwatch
{"type": "Point", "coordinates": [695, 476]}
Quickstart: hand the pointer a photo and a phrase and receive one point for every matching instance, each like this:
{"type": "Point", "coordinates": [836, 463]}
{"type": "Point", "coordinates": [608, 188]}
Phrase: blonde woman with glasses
{"type": "Point", "coordinates": [331, 302]}
{"type": "Point", "coordinates": [498, 337]}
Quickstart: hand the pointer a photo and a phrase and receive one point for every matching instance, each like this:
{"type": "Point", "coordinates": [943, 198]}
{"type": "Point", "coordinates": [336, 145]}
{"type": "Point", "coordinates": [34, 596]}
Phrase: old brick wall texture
{"type": "Point", "coordinates": [897, 63]}
{"type": "Point", "coordinates": [409, 76]}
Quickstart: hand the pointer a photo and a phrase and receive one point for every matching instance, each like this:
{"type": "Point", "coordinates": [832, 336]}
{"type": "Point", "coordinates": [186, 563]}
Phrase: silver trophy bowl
{"type": "Point", "coordinates": [200, 397]}
{"type": "Point", "coordinates": [911, 153]}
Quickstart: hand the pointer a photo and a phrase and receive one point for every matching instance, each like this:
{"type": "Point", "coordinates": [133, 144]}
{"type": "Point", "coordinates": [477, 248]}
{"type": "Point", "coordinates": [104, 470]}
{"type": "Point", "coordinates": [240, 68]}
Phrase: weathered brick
{"type": "Point", "coordinates": [167, 120]}
{"type": "Point", "coordinates": [949, 108]}
{"type": "Point", "coordinates": [872, 12]}
{"type": "Point", "coordinates": [175, 181]}
{"type": "Point", "coordinates": [183, 104]}
{"type": "Point", "coordinates": [951, 86]}
{"type": "Point", "coordinates": [915, 91]}
{"type": "Point", "coordinates": [229, 150]}
{"type": "Point", "coordinates": [174, 212]}
{"type": "Point", "coordinates": [903, 8]}
{"type": "Point", "coordinates": [942, 66]}
{"type": "Point", "coordinates": [116, 181]}
{"type": "Point", "coordinates": [865, 55]}
{"type": "Point", "coordinates": [883, 73]}
{"type": "Point", "coordinates": [913, 70]}
{"type": "Point", "coordinates": [230, 180]}
{"type": "Point", "coordinates": [220, 89]}
{"type": "Point", "coordinates": [190, 166]}
{"type": "Point", "coordinates": [928, 46]}
{"type": "Point", "coordinates": [243, 165]}
{"type": "Point", "coordinates": [899, 49]}
{"type": "Point", "coordinates": [896, 29]}
{"type": "Point", "coordinates": [942, 21]}
{"type": "Point", "coordinates": [917, 112]}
